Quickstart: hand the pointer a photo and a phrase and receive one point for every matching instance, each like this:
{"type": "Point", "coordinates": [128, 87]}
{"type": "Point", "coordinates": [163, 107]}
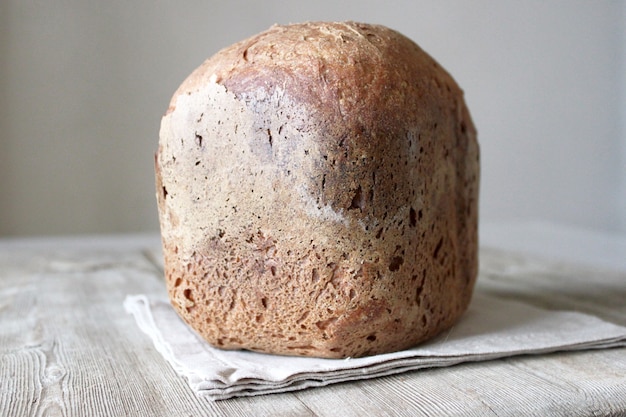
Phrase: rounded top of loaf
{"type": "Point", "coordinates": [346, 73]}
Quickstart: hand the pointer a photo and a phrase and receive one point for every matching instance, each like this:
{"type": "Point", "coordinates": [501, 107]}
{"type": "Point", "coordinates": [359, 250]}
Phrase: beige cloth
{"type": "Point", "coordinates": [491, 328]}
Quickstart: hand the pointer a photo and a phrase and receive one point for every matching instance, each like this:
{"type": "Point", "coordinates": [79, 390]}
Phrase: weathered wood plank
{"type": "Point", "coordinates": [509, 387]}
{"type": "Point", "coordinates": [555, 285]}
{"type": "Point", "coordinates": [68, 348]}
{"type": "Point", "coordinates": [410, 394]}
{"type": "Point", "coordinates": [547, 385]}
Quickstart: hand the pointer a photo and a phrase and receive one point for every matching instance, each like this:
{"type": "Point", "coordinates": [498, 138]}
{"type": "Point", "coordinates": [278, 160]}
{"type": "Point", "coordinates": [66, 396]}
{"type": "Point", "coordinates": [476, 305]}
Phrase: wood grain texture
{"type": "Point", "coordinates": [67, 348]}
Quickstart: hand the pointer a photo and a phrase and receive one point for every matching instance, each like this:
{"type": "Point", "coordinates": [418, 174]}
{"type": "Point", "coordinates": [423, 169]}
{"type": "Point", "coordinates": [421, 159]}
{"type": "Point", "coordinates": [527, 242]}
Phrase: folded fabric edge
{"type": "Point", "coordinates": [316, 380]}
{"type": "Point", "coordinates": [139, 307]}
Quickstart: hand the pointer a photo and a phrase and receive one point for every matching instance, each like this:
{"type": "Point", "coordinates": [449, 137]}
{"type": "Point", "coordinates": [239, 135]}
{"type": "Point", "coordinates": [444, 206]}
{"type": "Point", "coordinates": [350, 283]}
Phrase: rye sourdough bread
{"type": "Point", "coordinates": [317, 187]}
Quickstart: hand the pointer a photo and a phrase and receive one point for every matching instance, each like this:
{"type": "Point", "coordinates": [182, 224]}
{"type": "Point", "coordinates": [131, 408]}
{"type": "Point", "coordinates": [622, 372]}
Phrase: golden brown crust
{"type": "Point", "coordinates": [318, 189]}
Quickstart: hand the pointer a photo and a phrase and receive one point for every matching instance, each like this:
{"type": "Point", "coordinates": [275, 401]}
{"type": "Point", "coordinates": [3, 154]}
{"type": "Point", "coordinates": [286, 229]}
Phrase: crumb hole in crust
{"type": "Point", "coordinates": [323, 324]}
{"type": "Point", "coordinates": [315, 275]}
{"type": "Point", "coordinates": [303, 317]}
{"type": "Point", "coordinates": [270, 139]}
{"type": "Point", "coordinates": [371, 338]}
{"type": "Point", "coordinates": [306, 347]}
{"type": "Point", "coordinates": [396, 263]}
{"type": "Point", "coordinates": [438, 248]}
{"type": "Point", "coordinates": [358, 200]}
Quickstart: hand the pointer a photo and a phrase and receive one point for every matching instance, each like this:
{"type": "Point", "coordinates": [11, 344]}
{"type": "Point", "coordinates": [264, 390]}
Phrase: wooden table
{"type": "Point", "coordinates": [68, 348]}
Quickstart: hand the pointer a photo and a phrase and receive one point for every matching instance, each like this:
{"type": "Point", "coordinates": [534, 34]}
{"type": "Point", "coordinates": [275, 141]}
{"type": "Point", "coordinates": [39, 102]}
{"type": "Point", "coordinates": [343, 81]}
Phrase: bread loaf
{"type": "Point", "coordinates": [317, 187]}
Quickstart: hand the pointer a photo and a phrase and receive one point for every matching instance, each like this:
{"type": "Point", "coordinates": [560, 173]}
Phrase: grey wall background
{"type": "Point", "coordinates": [83, 85]}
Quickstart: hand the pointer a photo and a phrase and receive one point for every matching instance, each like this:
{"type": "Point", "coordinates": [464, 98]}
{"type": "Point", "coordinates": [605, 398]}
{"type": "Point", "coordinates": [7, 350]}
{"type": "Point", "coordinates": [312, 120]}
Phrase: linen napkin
{"type": "Point", "coordinates": [491, 328]}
